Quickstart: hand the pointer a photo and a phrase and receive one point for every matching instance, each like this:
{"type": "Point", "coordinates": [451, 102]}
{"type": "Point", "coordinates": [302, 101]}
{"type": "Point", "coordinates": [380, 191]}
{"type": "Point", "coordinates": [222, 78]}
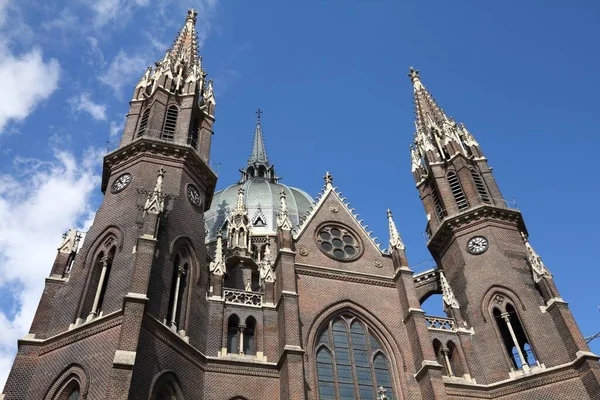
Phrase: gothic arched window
{"type": "Point", "coordinates": [457, 191]}
{"type": "Point", "coordinates": [249, 345]}
{"type": "Point", "coordinates": [74, 394]}
{"type": "Point", "coordinates": [170, 123]}
{"type": "Point", "coordinates": [350, 361]}
{"type": "Point", "coordinates": [98, 284]}
{"type": "Point", "coordinates": [143, 122]}
{"type": "Point", "coordinates": [233, 324]}
{"type": "Point", "coordinates": [176, 299]}
{"type": "Point", "coordinates": [515, 340]}
{"type": "Point", "coordinates": [437, 203]}
{"type": "Point", "coordinates": [481, 190]}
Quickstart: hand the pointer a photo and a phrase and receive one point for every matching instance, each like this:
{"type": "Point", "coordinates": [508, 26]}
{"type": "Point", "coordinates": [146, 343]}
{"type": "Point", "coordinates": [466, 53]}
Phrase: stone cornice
{"type": "Point", "coordinates": [162, 151]}
{"type": "Point", "coordinates": [466, 389]}
{"type": "Point", "coordinates": [445, 232]}
{"type": "Point", "coordinates": [347, 276]}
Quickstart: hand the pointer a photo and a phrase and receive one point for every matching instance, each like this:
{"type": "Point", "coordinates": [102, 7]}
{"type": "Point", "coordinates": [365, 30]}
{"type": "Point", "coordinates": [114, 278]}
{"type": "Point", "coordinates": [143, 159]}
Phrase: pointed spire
{"type": "Point", "coordinates": [283, 219]}
{"type": "Point", "coordinates": [437, 137]}
{"type": "Point", "coordinates": [538, 268]}
{"type": "Point", "coordinates": [395, 239]}
{"type": "Point", "coordinates": [180, 70]}
{"type": "Point", "coordinates": [447, 293]}
{"type": "Point", "coordinates": [259, 153]}
{"type": "Point", "coordinates": [156, 201]}
{"type": "Point", "coordinates": [240, 207]}
{"type": "Point", "coordinates": [217, 266]}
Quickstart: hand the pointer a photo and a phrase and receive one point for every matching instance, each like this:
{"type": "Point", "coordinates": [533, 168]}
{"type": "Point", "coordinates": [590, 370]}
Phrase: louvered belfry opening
{"type": "Point", "coordinates": [143, 123]}
{"type": "Point", "coordinates": [194, 133]}
{"type": "Point", "coordinates": [457, 191]}
{"type": "Point", "coordinates": [170, 123]}
{"type": "Point", "coordinates": [439, 208]}
{"type": "Point", "coordinates": [483, 194]}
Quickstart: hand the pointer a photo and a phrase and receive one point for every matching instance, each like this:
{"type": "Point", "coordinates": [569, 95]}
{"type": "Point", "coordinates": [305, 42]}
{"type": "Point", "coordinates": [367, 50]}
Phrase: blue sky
{"type": "Point", "coordinates": [332, 83]}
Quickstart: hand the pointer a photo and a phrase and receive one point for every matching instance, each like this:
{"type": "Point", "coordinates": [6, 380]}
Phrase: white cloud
{"type": "Point", "coordinates": [123, 70]}
{"type": "Point", "coordinates": [116, 128]}
{"type": "Point", "coordinates": [27, 75]}
{"type": "Point", "coordinates": [36, 207]}
{"type": "Point", "coordinates": [110, 10]}
{"type": "Point", "coordinates": [83, 102]}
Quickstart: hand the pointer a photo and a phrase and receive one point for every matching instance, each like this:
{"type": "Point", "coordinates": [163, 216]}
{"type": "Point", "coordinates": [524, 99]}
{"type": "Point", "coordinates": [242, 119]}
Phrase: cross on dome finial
{"type": "Point", "coordinates": [413, 74]}
{"type": "Point", "coordinates": [328, 179]}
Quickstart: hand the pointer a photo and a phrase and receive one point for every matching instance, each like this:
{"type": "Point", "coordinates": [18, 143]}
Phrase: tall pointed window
{"type": "Point", "coordinates": [249, 343]}
{"type": "Point", "coordinates": [515, 340]}
{"type": "Point", "coordinates": [143, 122]}
{"type": "Point", "coordinates": [350, 362]}
{"type": "Point", "coordinates": [170, 123]}
{"type": "Point", "coordinates": [457, 191]}
{"type": "Point", "coordinates": [481, 190]}
{"type": "Point", "coordinates": [99, 283]}
{"type": "Point", "coordinates": [193, 135]}
{"type": "Point", "coordinates": [233, 324]}
{"type": "Point", "coordinates": [176, 299]}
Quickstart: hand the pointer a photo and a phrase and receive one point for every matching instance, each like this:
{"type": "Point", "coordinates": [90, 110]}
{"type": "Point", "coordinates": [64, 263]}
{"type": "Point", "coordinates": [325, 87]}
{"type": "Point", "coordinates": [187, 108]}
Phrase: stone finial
{"type": "Point", "coordinates": [328, 180]}
{"type": "Point", "coordinates": [283, 218]}
{"type": "Point", "coordinates": [191, 15]}
{"type": "Point", "coordinates": [413, 74]}
{"type": "Point", "coordinates": [240, 207]}
{"type": "Point", "coordinates": [395, 239]}
{"type": "Point", "coordinates": [381, 393]}
{"type": "Point", "coordinates": [70, 241]}
{"type": "Point", "coordinates": [156, 200]}
{"type": "Point", "coordinates": [447, 293]}
{"type": "Point", "coordinates": [538, 268]}
{"type": "Point", "coordinates": [217, 266]}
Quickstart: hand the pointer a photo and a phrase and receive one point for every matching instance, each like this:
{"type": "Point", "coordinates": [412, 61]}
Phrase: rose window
{"type": "Point", "coordinates": [338, 243]}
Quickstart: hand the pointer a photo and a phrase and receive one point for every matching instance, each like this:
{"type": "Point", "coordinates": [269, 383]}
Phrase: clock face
{"type": "Point", "coordinates": [121, 183]}
{"type": "Point", "coordinates": [477, 245]}
{"type": "Point", "coordinates": [194, 195]}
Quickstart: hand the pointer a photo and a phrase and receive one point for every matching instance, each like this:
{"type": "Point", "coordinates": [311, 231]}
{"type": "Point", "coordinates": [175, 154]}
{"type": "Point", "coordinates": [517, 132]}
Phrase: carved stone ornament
{"type": "Point", "coordinates": [378, 264]}
{"type": "Point", "coordinates": [303, 252]}
{"type": "Point", "coordinates": [333, 209]}
{"type": "Point", "coordinates": [498, 299]}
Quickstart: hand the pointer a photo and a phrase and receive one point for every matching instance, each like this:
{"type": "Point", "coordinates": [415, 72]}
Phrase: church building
{"type": "Point", "coordinates": [262, 291]}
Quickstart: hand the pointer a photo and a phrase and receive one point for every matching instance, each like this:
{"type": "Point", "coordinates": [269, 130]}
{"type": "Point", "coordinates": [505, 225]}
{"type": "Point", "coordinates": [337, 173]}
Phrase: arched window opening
{"type": "Point", "coordinates": [194, 134]}
{"type": "Point", "coordinates": [455, 368]}
{"type": "Point", "coordinates": [166, 388]}
{"type": "Point", "coordinates": [170, 123]}
{"type": "Point", "coordinates": [143, 122]}
{"type": "Point", "coordinates": [433, 305]}
{"type": "Point", "coordinates": [178, 285]}
{"type": "Point", "coordinates": [232, 334]}
{"type": "Point", "coordinates": [483, 194]}
{"type": "Point", "coordinates": [250, 171]}
{"type": "Point", "coordinates": [515, 340]}
{"type": "Point", "coordinates": [74, 394]}
{"type": "Point", "coordinates": [262, 171]}
{"type": "Point", "coordinates": [99, 282]}
{"type": "Point", "coordinates": [439, 208]}
{"type": "Point", "coordinates": [457, 191]}
{"type": "Point", "coordinates": [325, 374]}
{"type": "Point", "coordinates": [248, 332]}
{"type": "Point", "coordinates": [350, 362]}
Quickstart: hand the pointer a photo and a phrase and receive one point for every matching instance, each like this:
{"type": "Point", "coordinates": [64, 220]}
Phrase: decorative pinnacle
{"type": "Point", "coordinates": [191, 15]}
{"type": "Point", "coordinates": [328, 180]}
{"type": "Point", "coordinates": [240, 207]}
{"type": "Point", "coordinates": [259, 152]}
{"type": "Point", "coordinates": [283, 202]}
{"type": "Point", "coordinates": [413, 74]}
{"type": "Point", "coordinates": [395, 239]}
{"type": "Point", "coordinates": [258, 112]}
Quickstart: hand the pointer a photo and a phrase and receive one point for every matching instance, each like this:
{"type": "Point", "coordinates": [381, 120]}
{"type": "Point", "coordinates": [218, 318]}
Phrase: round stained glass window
{"type": "Point", "coordinates": [338, 243]}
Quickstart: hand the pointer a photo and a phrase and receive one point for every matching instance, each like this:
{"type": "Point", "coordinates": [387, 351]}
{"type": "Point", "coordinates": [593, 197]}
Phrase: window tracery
{"type": "Point", "coordinates": [350, 362]}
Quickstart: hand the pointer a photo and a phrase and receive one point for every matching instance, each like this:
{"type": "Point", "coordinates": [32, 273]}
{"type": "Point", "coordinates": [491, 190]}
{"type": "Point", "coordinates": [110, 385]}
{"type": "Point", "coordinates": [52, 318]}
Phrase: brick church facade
{"type": "Point", "coordinates": [260, 292]}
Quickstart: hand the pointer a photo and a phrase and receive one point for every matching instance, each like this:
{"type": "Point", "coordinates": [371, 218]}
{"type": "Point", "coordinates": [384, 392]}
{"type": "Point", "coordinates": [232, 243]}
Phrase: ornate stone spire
{"type": "Point", "coordinates": [259, 153]}
{"type": "Point", "coordinates": [180, 70]}
{"type": "Point", "coordinates": [283, 219]}
{"type": "Point", "coordinates": [437, 137]}
{"type": "Point", "coordinates": [395, 239]}
{"type": "Point", "coordinates": [156, 200]}
{"type": "Point", "coordinates": [240, 207]}
{"type": "Point", "coordinates": [447, 293]}
{"type": "Point", "coordinates": [538, 268]}
{"type": "Point", "coordinates": [217, 266]}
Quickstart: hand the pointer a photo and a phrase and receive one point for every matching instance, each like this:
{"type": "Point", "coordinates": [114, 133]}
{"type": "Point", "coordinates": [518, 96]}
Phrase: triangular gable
{"type": "Point", "coordinates": [338, 210]}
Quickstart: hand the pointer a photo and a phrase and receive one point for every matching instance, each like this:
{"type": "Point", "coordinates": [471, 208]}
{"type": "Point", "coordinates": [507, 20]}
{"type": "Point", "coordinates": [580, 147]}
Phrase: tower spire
{"type": "Point", "coordinates": [437, 136]}
{"type": "Point", "coordinates": [395, 239]}
{"type": "Point", "coordinates": [259, 153]}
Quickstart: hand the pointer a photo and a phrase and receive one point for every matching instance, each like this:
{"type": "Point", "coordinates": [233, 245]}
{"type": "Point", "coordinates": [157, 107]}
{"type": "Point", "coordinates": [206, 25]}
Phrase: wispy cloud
{"type": "Point", "coordinates": [123, 70]}
{"type": "Point", "coordinates": [41, 77]}
{"type": "Point", "coordinates": [36, 206]}
{"type": "Point", "coordinates": [84, 103]}
{"type": "Point", "coordinates": [116, 128]}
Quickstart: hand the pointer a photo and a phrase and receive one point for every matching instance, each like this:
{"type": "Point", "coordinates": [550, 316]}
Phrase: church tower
{"type": "Point", "coordinates": [502, 290]}
{"type": "Point", "coordinates": [142, 252]}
